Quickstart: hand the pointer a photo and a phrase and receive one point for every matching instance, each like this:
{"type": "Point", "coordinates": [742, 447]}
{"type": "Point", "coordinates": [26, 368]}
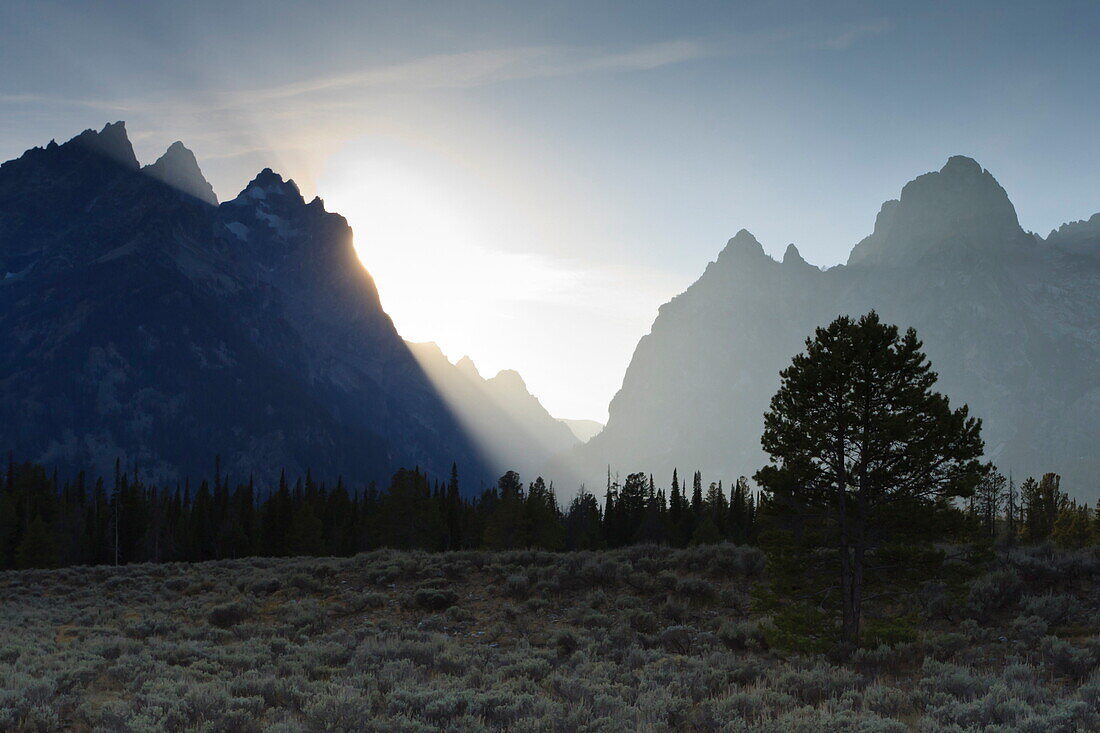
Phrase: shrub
{"type": "Point", "coordinates": [1073, 661]}
{"type": "Point", "coordinates": [741, 635]}
{"type": "Point", "coordinates": [674, 610]}
{"type": "Point", "coordinates": [365, 600]}
{"type": "Point", "coordinates": [815, 684]}
{"type": "Point", "coordinates": [305, 583]}
{"type": "Point", "coordinates": [566, 642]}
{"type": "Point", "coordinates": [1028, 629]}
{"type": "Point", "coordinates": [644, 622]}
{"type": "Point", "coordinates": [345, 710]}
{"type": "Point", "coordinates": [434, 599]}
{"type": "Point", "coordinates": [695, 588]}
{"type": "Point", "coordinates": [993, 592]}
{"type": "Point", "coordinates": [229, 614]}
{"type": "Point", "coordinates": [1052, 608]}
{"type": "Point", "coordinates": [677, 639]}
{"type": "Point", "coordinates": [266, 586]}
{"type": "Point", "coordinates": [516, 586]}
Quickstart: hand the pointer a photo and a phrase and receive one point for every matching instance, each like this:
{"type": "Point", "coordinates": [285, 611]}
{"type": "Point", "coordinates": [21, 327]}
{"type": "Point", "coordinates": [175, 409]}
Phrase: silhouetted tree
{"type": "Point", "coordinates": [855, 428]}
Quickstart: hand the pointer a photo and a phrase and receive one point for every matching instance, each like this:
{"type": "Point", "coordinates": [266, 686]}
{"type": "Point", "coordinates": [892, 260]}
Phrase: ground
{"type": "Point", "coordinates": [641, 639]}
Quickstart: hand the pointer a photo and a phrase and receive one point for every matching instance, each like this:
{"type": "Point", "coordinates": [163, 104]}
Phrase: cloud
{"type": "Point", "coordinates": [846, 38]}
{"type": "Point", "coordinates": [293, 125]}
{"type": "Point", "coordinates": [491, 66]}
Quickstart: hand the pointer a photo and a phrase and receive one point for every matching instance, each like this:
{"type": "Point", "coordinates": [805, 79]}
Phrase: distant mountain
{"type": "Point", "coordinates": [584, 430]}
{"type": "Point", "coordinates": [1010, 321]}
{"type": "Point", "coordinates": [516, 431]}
{"type": "Point", "coordinates": [140, 321]}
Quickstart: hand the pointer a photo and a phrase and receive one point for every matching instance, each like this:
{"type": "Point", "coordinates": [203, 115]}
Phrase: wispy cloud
{"type": "Point", "coordinates": [846, 38]}
{"type": "Point", "coordinates": [492, 66]}
{"type": "Point", "coordinates": [292, 123]}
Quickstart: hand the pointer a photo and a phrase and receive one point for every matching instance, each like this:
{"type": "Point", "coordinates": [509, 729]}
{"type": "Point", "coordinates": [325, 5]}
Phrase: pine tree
{"type": "Point", "coordinates": [544, 517]}
{"type": "Point", "coordinates": [990, 497]}
{"type": "Point", "coordinates": [508, 527]}
{"type": "Point", "coordinates": [37, 549]}
{"type": "Point", "coordinates": [454, 511]}
{"type": "Point", "coordinates": [1042, 501]}
{"type": "Point", "coordinates": [582, 522]}
{"type": "Point", "coordinates": [856, 430]}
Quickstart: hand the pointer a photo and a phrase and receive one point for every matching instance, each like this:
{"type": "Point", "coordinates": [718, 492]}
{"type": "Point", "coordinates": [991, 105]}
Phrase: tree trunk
{"type": "Point", "coordinates": [850, 619]}
{"type": "Point", "coordinates": [857, 572]}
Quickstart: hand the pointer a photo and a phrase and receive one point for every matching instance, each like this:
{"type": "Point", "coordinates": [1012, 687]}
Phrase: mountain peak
{"type": "Point", "coordinates": [110, 142]}
{"type": "Point", "coordinates": [963, 165]}
{"type": "Point", "coordinates": [511, 380]}
{"type": "Point", "coordinates": [466, 366]}
{"type": "Point", "coordinates": [269, 184]}
{"type": "Point", "coordinates": [179, 169]}
{"type": "Point", "coordinates": [960, 208]}
{"type": "Point", "coordinates": [743, 243]}
{"type": "Point", "coordinates": [792, 257]}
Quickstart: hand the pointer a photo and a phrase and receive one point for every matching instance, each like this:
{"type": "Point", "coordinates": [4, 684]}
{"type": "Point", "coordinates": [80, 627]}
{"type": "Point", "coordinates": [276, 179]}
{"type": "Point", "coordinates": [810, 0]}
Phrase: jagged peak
{"type": "Point", "coordinates": [466, 366]}
{"type": "Point", "coordinates": [792, 256]}
{"type": "Point", "coordinates": [1078, 237]}
{"type": "Point", "coordinates": [179, 168]}
{"type": "Point", "coordinates": [743, 243]}
{"type": "Point", "coordinates": [268, 183]}
{"type": "Point", "coordinates": [1092, 223]}
{"type": "Point", "coordinates": [111, 142]}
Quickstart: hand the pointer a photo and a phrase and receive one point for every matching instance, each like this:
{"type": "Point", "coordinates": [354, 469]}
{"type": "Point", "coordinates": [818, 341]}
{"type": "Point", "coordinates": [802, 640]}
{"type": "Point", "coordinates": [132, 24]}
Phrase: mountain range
{"type": "Point", "coordinates": [513, 427]}
{"type": "Point", "coordinates": [142, 321]}
{"type": "Point", "coordinates": [1010, 321]}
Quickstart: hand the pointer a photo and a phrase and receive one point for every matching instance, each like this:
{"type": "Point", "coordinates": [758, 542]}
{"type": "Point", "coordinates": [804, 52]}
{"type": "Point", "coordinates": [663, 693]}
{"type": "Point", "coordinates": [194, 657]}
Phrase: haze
{"type": "Point", "coordinates": [529, 183]}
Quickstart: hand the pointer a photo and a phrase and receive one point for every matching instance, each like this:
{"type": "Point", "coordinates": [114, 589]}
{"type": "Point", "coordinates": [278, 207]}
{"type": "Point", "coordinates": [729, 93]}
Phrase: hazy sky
{"type": "Point", "coordinates": [528, 182]}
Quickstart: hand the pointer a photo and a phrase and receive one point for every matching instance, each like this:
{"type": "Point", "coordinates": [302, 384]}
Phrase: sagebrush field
{"type": "Point", "coordinates": [646, 638]}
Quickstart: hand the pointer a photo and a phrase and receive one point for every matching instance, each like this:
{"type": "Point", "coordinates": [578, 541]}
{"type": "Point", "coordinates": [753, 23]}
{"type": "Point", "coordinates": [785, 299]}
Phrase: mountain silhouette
{"type": "Point", "coordinates": [1010, 321]}
{"type": "Point", "coordinates": [140, 321]}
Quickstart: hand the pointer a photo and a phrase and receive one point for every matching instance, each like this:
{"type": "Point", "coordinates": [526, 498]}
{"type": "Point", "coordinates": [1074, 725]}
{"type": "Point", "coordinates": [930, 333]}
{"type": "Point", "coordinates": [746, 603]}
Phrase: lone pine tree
{"type": "Point", "coordinates": [855, 430]}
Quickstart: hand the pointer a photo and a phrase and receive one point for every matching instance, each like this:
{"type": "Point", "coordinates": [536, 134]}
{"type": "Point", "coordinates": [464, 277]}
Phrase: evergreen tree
{"type": "Point", "coordinates": [1042, 501]}
{"type": "Point", "coordinates": [990, 496]}
{"type": "Point", "coordinates": [582, 522]}
{"type": "Point", "coordinates": [856, 430]}
{"type": "Point", "coordinates": [306, 532]}
{"type": "Point", "coordinates": [508, 526]}
{"type": "Point", "coordinates": [1073, 526]}
{"type": "Point", "coordinates": [544, 517]}
{"type": "Point", "coordinates": [453, 511]}
{"type": "Point", "coordinates": [37, 549]}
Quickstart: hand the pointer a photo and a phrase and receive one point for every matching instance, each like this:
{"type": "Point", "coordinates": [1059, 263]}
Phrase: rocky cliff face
{"type": "Point", "coordinates": [1011, 323]}
{"type": "Point", "coordinates": [140, 321]}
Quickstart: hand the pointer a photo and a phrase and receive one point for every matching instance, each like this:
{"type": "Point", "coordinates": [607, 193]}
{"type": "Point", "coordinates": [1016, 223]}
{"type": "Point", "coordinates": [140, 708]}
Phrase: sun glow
{"type": "Point", "coordinates": [421, 230]}
{"type": "Point", "coordinates": [475, 258]}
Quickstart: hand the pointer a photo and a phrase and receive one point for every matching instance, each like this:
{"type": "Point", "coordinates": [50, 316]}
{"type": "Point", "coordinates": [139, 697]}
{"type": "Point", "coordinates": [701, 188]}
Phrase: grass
{"type": "Point", "coordinates": [640, 639]}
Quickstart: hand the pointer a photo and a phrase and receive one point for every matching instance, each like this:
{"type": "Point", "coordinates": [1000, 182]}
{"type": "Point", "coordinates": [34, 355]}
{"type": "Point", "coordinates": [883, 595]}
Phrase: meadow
{"type": "Point", "coordinates": [645, 638]}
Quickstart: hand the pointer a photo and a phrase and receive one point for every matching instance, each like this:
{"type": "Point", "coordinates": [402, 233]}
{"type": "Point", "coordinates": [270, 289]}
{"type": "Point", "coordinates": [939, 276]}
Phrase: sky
{"type": "Point", "coordinates": [529, 182]}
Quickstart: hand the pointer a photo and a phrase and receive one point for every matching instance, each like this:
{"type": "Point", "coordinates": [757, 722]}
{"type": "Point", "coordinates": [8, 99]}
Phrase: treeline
{"type": "Point", "coordinates": [46, 522]}
{"type": "Point", "coordinates": [1034, 511]}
